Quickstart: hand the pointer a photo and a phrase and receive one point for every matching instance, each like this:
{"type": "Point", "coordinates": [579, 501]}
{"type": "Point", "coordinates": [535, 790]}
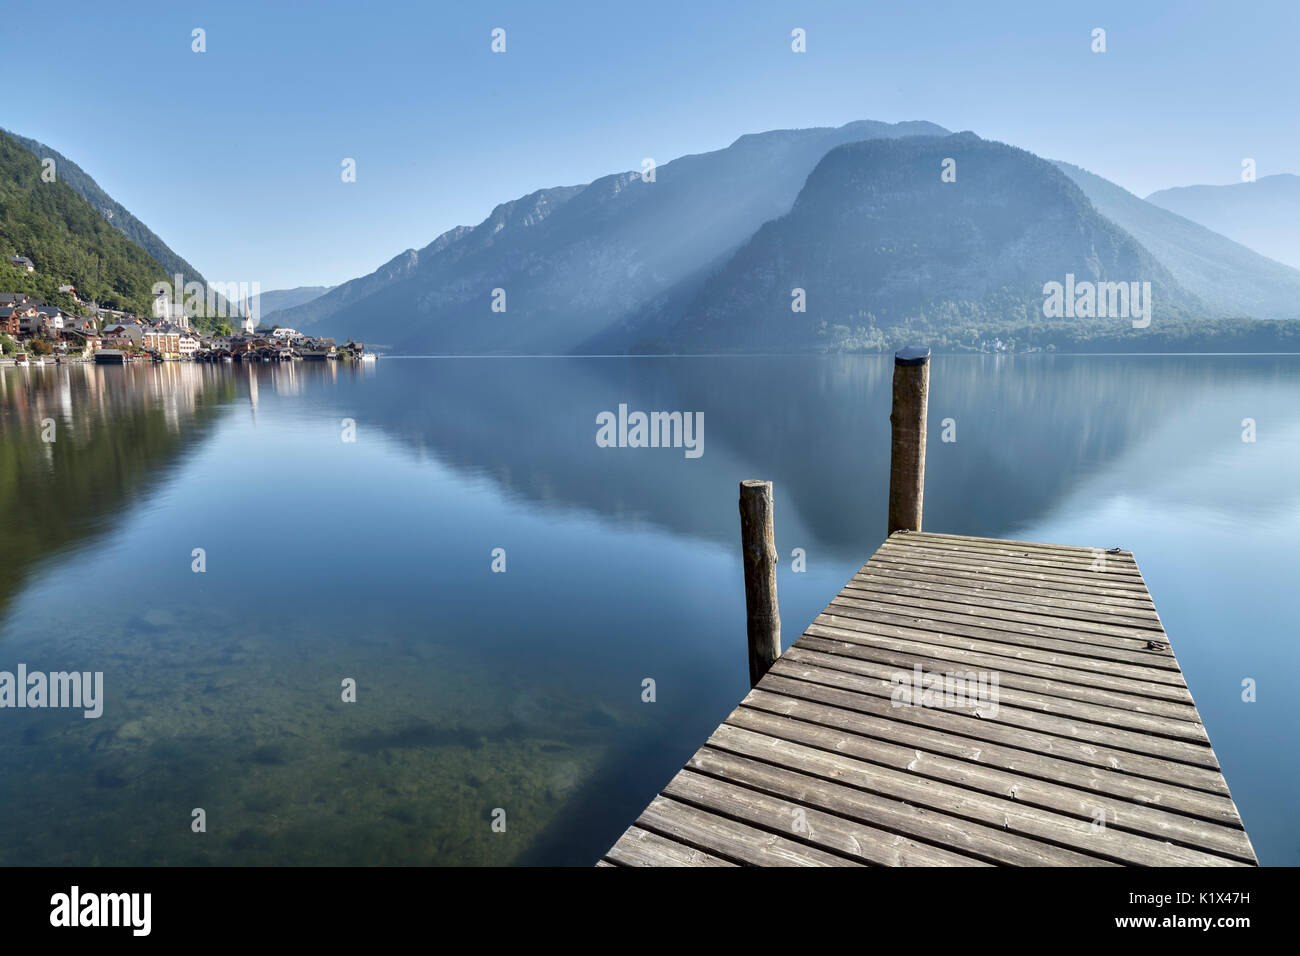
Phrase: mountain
{"type": "Point", "coordinates": [1261, 215]}
{"type": "Point", "coordinates": [113, 212]}
{"type": "Point", "coordinates": [572, 260]}
{"type": "Point", "coordinates": [338, 304]}
{"type": "Point", "coordinates": [276, 299]}
{"type": "Point", "coordinates": [878, 241]}
{"type": "Point", "coordinates": [1230, 278]}
{"type": "Point", "coordinates": [67, 239]}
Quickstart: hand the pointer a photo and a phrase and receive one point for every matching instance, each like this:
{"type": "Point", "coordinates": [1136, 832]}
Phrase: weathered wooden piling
{"type": "Point", "coordinates": [907, 450]}
{"type": "Point", "coordinates": [758, 547]}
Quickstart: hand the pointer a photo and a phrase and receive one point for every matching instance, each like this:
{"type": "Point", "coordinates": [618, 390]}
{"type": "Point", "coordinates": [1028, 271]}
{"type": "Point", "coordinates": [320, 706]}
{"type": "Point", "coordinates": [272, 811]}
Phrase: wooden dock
{"type": "Point", "coordinates": [1087, 751]}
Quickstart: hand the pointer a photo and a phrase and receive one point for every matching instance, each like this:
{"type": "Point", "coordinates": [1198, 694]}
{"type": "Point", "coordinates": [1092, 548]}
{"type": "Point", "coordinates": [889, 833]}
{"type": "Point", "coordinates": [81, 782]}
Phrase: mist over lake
{"type": "Point", "coordinates": [521, 690]}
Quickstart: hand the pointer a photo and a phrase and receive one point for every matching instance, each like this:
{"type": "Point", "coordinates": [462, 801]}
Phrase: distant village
{"type": "Point", "coordinates": [46, 334]}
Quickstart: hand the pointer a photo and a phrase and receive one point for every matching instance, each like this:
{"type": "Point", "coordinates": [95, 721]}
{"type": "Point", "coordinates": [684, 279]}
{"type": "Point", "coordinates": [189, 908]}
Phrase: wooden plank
{"type": "Point", "coordinates": [1086, 581]}
{"type": "Point", "coordinates": [931, 585]}
{"type": "Point", "coordinates": [976, 653]}
{"type": "Point", "coordinates": [1085, 732]}
{"type": "Point", "coordinates": [993, 844]}
{"type": "Point", "coordinates": [1061, 604]}
{"type": "Point", "coordinates": [1120, 564]}
{"type": "Point", "coordinates": [1061, 554]}
{"type": "Point", "coordinates": [928, 769]}
{"type": "Point", "coordinates": [1067, 596]}
{"type": "Point", "coordinates": [1093, 600]}
{"type": "Point", "coordinates": [1006, 813]}
{"type": "Point", "coordinates": [943, 627]}
{"type": "Point", "coordinates": [985, 731]}
{"type": "Point", "coordinates": [853, 839]}
{"type": "Point", "coordinates": [1101, 570]}
{"type": "Point", "coordinates": [1029, 547]}
{"type": "Point", "coordinates": [642, 848]}
{"type": "Point", "coordinates": [1016, 690]}
{"type": "Point", "coordinates": [938, 612]}
{"type": "Point", "coordinates": [1102, 780]}
{"type": "Point", "coordinates": [731, 840]}
{"type": "Point", "coordinates": [1100, 562]}
{"type": "Point", "coordinates": [980, 605]}
{"type": "Point", "coordinates": [1064, 668]}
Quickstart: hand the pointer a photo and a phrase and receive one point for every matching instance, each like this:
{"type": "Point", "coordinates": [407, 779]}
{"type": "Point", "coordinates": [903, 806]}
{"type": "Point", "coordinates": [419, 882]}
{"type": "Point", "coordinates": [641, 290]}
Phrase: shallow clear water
{"type": "Point", "coordinates": [480, 692]}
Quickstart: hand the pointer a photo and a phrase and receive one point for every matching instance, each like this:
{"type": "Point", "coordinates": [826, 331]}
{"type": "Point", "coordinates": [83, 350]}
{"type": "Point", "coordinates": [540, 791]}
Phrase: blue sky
{"type": "Point", "coordinates": [233, 156]}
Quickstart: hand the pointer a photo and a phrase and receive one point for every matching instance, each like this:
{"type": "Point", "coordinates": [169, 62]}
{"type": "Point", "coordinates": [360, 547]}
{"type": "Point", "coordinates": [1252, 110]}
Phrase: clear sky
{"type": "Point", "coordinates": [233, 156]}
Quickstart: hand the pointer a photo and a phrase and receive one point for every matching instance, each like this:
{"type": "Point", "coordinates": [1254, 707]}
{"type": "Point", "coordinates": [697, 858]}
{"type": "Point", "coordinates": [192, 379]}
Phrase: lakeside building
{"type": "Point", "coordinates": [26, 320]}
{"type": "Point", "coordinates": [14, 318]}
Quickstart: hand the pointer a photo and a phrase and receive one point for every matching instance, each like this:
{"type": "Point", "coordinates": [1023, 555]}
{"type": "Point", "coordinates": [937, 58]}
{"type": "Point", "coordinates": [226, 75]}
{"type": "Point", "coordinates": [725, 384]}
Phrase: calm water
{"type": "Point", "coordinates": [520, 691]}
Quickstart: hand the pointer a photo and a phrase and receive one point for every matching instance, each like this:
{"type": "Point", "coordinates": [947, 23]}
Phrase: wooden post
{"type": "Point", "coordinates": [907, 450]}
{"type": "Point", "coordinates": [758, 548]}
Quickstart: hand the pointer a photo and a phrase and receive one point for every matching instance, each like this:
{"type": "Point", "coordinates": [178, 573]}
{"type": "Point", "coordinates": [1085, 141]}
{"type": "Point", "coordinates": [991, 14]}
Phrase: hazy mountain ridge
{"type": "Point", "coordinates": [1229, 277]}
{"type": "Point", "coordinates": [593, 254]}
{"type": "Point", "coordinates": [308, 316]}
{"type": "Point", "coordinates": [276, 299]}
{"type": "Point", "coordinates": [449, 273]}
{"type": "Point", "coordinates": [705, 257]}
{"type": "Point", "coordinates": [877, 240]}
{"type": "Point", "coordinates": [1261, 215]}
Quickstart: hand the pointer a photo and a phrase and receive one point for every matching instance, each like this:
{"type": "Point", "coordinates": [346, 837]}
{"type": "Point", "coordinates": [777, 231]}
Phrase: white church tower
{"type": "Point", "coordinates": [246, 326]}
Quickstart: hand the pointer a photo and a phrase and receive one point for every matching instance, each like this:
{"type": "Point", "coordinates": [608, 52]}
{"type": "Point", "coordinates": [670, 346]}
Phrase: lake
{"type": "Point", "coordinates": [229, 545]}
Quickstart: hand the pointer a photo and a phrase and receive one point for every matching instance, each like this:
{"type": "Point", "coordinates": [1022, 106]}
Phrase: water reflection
{"type": "Point", "coordinates": [1028, 430]}
{"type": "Point", "coordinates": [79, 442]}
{"type": "Point", "coordinates": [523, 690]}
